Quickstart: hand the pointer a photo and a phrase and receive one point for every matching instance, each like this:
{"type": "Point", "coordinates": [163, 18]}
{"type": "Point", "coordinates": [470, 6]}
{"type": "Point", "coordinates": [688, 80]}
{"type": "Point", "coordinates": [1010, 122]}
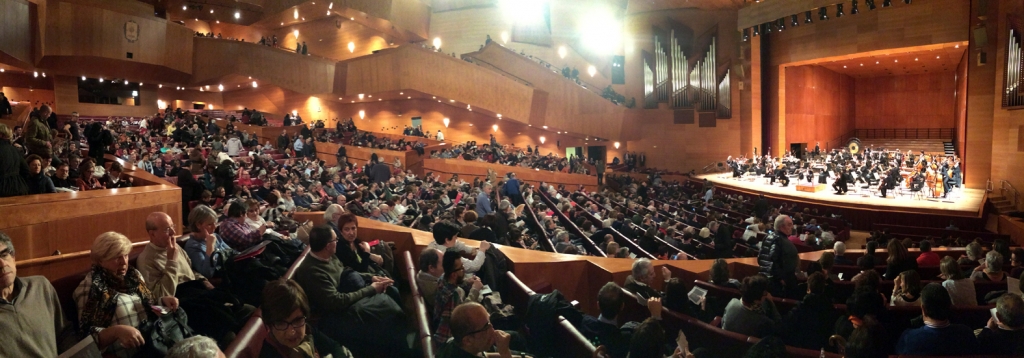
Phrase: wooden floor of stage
{"type": "Point", "coordinates": [968, 204]}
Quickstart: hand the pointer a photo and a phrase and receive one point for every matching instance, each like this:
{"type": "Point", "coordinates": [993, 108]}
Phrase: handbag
{"type": "Point", "coordinates": [162, 332]}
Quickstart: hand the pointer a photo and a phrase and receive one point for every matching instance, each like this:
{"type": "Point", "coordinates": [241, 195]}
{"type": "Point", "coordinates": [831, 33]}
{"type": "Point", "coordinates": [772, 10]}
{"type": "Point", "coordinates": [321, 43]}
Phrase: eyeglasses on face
{"type": "Point", "coordinates": [296, 324]}
{"type": "Point", "coordinates": [486, 327]}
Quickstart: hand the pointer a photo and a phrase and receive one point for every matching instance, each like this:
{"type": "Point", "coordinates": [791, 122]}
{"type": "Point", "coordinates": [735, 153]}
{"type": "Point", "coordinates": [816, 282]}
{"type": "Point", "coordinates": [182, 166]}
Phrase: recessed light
{"type": "Point", "coordinates": [452, 100]}
{"type": "Point", "coordinates": [896, 61]}
{"type": "Point", "coordinates": [410, 97]}
{"type": "Point", "coordinates": [844, 66]}
{"type": "Point", "coordinates": [862, 65]}
{"type": "Point", "coordinates": [184, 7]}
{"type": "Point", "coordinates": [876, 62]}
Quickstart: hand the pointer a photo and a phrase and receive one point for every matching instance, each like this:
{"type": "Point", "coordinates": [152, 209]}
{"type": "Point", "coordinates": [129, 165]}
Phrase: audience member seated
{"type": "Point", "coordinates": [938, 336]}
{"type": "Point", "coordinates": [206, 250]}
{"type": "Point", "coordinates": [1017, 262]}
{"type": "Point", "coordinates": [973, 255]}
{"type": "Point", "coordinates": [195, 347]}
{"type": "Point", "coordinates": [355, 253]}
{"type": "Point", "coordinates": [1004, 333]}
{"type": "Point", "coordinates": [236, 232]}
{"type": "Point", "coordinates": [113, 180]}
{"type": "Point", "coordinates": [451, 292]}
{"type": "Point", "coordinates": [30, 312]}
{"type": "Point", "coordinates": [604, 328]}
{"type": "Point", "coordinates": [351, 308]}
{"type": "Point", "coordinates": [62, 180]}
{"type": "Point", "coordinates": [899, 260]}
{"type": "Point", "coordinates": [446, 237]}
{"type": "Point", "coordinates": [642, 277]}
{"type": "Point", "coordinates": [113, 300]}
{"type": "Point", "coordinates": [906, 289]}
{"type": "Point", "coordinates": [472, 334]}
{"type": "Point", "coordinates": [866, 341]}
{"type": "Point", "coordinates": [810, 323]}
{"type": "Point", "coordinates": [992, 270]}
{"type": "Point", "coordinates": [86, 176]}
{"type": "Point", "coordinates": [927, 258]}
{"type": "Point", "coordinates": [960, 287]}
{"type": "Point", "coordinates": [285, 313]}
{"type": "Point", "coordinates": [840, 249]}
{"type": "Point", "coordinates": [38, 183]}
{"type": "Point", "coordinates": [754, 313]}
{"type": "Point", "coordinates": [13, 169]}
{"type": "Point", "coordinates": [430, 272]}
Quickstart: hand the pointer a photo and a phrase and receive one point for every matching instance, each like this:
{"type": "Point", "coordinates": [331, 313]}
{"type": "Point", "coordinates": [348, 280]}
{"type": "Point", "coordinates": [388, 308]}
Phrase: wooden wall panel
{"type": "Point", "coordinates": [960, 110]}
{"type": "Point", "coordinates": [682, 147]}
{"type": "Point", "coordinates": [569, 106]}
{"type": "Point", "coordinates": [922, 23]}
{"type": "Point", "coordinates": [819, 105]}
{"type": "Point", "coordinates": [323, 38]}
{"type": "Point", "coordinates": [16, 33]}
{"type": "Point", "coordinates": [217, 58]}
{"type": "Point", "coordinates": [909, 101]}
{"type": "Point", "coordinates": [411, 67]}
{"type": "Point", "coordinates": [1003, 132]}
{"type": "Point", "coordinates": [74, 29]}
{"type": "Point", "coordinates": [467, 170]}
{"type": "Point", "coordinates": [34, 96]}
{"type": "Point", "coordinates": [66, 93]}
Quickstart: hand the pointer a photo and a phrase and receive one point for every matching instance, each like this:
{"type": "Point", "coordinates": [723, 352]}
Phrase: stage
{"type": "Point", "coordinates": [968, 204]}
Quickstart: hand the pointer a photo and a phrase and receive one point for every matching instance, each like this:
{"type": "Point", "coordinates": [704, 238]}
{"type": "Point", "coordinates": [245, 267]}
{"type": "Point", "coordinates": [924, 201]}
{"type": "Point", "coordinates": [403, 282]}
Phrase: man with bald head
{"type": "Point", "coordinates": [163, 263]}
{"type": "Point", "coordinates": [472, 334]}
{"type": "Point", "coordinates": [778, 259]}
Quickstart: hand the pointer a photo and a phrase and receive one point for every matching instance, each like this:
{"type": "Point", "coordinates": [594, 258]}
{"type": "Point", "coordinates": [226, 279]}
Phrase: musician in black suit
{"type": "Point", "coordinates": [840, 185]}
{"type": "Point", "coordinates": [780, 174]}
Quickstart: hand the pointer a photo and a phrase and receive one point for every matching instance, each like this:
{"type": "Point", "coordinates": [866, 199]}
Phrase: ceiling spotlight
{"type": "Point", "coordinates": [957, 46]}
{"type": "Point", "coordinates": [915, 58]}
{"type": "Point", "coordinates": [83, 78]}
{"type": "Point", "coordinates": [876, 62]}
{"type": "Point", "coordinates": [781, 24]}
{"type": "Point", "coordinates": [254, 85]}
{"type": "Point", "coordinates": [807, 17]}
{"type": "Point", "coordinates": [757, 30]}
{"type": "Point", "coordinates": [211, 11]}
{"type": "Point", "coordinates": [499, 115]}
{"type": "Point", "coordinates": [871, 4]}
{"type": "Point", "coordinates": [844, 66]}
{"type": "Point", "coordinates": [839, 10]}
{"type": "Point", "coordinates": [220, 88]}
{"type": "Point", "coordinates": [886, 3]}
{"type": "Point", "coordinates": [545, 127]}
{"type": "Point", "coordinates": [936, 56]}
{"type": "Point", "coordinates": [795, 22]}
{"type": "Point", "coordinates": [101, 79]}
{"type": "Point", "coordinates": [331, 6]}
{"type": "Point", "coordinates": [35, 74]}
{"type": "Point", "coordinates": [452, 100]}
{"type": "Point", "coordinates": [125, 81]}
{"type": "Point", "coordinates": [360, 96]}
{"type": "Point", "coordinates": [853, 8]}
{"type": "Point", "coordinates": [295, 14]}
{"type": "Point", "coordinates": [135, 93]}
{"type": "Point", "coordinates": [238, 15]}
{"type": "Point", "coordinates": [823, 13]}
{"type": "Point", "coordinates": [44, 74]}
{"type": "Point", "coordinates": [401, 93]}
{"type": "Point", "coordinates": [409, 97]}
{"type": "Point", "coordinates": [896, 61]}
{"type": "Point", "coordinates": [906, 2]}
{"type": "Point", "coordinates": [160, 86]}
{"type": "Point", "coordinates": [746, 37]}
{"type": "Point", "coordinates": [184, 7]}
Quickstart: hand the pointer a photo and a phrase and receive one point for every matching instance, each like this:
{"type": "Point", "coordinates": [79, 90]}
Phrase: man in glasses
{"type": "Point", "coordinates": [473, 334]}
{"type": "Point", "coordinates": [163, 263]}
{"type": "Point", "coordinates": [451, 292]}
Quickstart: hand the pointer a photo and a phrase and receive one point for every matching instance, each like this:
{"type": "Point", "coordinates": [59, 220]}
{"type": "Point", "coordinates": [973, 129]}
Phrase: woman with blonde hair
{"type": "Point", "coordinates": [113, 298]}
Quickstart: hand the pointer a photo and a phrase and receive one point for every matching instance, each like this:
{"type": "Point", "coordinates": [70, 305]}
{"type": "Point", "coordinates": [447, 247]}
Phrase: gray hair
{"type": "Point", "coordinates": [200, 214]}
{"type": "Point", "coordinates": [331, 210]}
{"type": "Point", "coordinates": [6, 241]}
{"type": "Point", "coordinates": [642, 268]}
{"type": "Point", "coordinates": [561, 235]}
{"type": "Point", "coordinates": [839, 248]}
{"type": "Point", "coordinates": [194, 347]}
{"type": "Point", "coordinates": [993, 261]}
{"type": "Point", "coordinates": [780, 221]}
{"type": "Point", "coordinates": [974, 250]}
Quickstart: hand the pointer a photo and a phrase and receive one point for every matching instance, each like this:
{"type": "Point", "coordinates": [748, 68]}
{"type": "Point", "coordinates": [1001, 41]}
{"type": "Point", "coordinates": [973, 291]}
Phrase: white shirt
{"type": "Point", "coordinates": [440, 136]}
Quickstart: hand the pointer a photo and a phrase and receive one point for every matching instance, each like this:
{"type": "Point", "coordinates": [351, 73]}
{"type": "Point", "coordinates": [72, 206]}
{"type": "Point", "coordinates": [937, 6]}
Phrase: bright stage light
{"type": "Point", "coordinates": [601, 32]}
{"type": "Point", "coordinates": [524, 12]}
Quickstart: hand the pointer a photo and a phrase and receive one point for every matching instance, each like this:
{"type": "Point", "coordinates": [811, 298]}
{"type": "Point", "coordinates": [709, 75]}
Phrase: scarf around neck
{"type": "Point", "coordinates": [100, 305]}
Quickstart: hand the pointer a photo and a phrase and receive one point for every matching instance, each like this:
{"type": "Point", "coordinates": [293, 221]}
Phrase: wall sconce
{"type": "Point", "coordinates": [542, 139]}
{"type": "Point", "coordinates": [446, 121]}
{"type": "Point", "coordinates": [592, 70]}
{"type": "Point", "coordinates": [362, 114]}
{"type": "Point", "coordinates": [494, 127]}
{"type": "Point", "coordinates": [360, 96]}
{"type": "Point", "coordinates": [351, 47]}
{"type": "Point", "coordinates": [504, 37]}
{"type": "Point", "coordinates": [499, 115]}
{"type": "Point", "coordinates": [562, 52]}
{"type": "Point", "coordinates": [617, 145]}
{"type": "Point", "coordinates": [437, 42]}
{"type": "Point", "coordinates": [254, 85]}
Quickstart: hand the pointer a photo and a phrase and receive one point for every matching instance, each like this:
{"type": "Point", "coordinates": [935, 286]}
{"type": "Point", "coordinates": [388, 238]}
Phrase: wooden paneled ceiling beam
{"type": "Point", "coordinates": [772, 10]}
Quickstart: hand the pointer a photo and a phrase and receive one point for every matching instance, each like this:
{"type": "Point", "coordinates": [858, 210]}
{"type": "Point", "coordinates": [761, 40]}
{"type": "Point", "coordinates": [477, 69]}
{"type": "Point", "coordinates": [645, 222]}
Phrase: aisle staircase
{"type": "Point", "coordinates": [1002, 204]}
{"type": "Point", "coordinates": [950, 150]}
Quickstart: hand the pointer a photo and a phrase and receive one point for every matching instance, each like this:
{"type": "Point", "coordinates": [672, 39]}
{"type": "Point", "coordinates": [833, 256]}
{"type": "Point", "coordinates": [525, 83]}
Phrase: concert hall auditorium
{"type": "Point", "coordinates": [511, 178]}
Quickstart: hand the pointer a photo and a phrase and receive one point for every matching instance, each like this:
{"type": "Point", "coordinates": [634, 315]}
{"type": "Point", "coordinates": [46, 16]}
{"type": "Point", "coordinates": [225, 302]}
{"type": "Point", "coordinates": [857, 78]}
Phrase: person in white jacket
{"type": "Point", "coordinates": [440, 136]}
{"type": "Point", "coordinates": [234, 146]}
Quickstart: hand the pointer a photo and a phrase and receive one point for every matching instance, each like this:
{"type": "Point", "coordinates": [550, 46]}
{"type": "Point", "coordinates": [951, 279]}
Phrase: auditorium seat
{"type": "Point", "coordinates": [249, 340]}
{"type": "Point", "coordinates": [424, 338]}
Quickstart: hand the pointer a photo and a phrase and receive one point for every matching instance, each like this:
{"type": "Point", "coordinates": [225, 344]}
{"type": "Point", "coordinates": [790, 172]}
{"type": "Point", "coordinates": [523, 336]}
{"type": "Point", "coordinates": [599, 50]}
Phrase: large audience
{"type": "Point", "coordinates": [239, 195]}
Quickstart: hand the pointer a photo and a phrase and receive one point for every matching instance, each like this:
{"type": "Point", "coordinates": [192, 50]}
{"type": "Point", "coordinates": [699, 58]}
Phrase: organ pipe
{"type": "Point", "coordinates": [661, 69]}
{"type": "Point", "coordinates": [1012, 96]}
{"type": "Point", "coordinates": [679, 73]}
{"type": "Point", "coordinates": [649, 97]}
{"type": "Point", "coordinates": [725, 97]}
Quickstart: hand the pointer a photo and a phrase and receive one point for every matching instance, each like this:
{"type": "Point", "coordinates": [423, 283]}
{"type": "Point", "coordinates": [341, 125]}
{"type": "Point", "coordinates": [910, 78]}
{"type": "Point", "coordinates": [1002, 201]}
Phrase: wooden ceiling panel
{"type": "Point", "coordinates": [898, 62]}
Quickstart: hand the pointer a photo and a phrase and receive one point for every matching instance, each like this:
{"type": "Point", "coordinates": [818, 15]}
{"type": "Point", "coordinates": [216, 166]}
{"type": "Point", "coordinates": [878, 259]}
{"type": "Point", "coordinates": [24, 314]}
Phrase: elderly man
{"type": "Point", "coordinates": [30, 312]}
{"type": "Point", "coordinates": [163, 263]}
{"type": "Point", "coordinates": [642, 277]}
{"type": "Point", "coordinates": [430, 272]}
{"type": "Point", "coordinates": [483, 201]}
{"type": "Point", "coordinates": [473, 333]}
{"type": "Point", "coordinates": [1004, 333]}
{"type": "Point", "coordinates": [38, 135]}
{"type": "Point", "coordinates": [778, 259]}
{"type": "Point", "coordinates": [840, 250]}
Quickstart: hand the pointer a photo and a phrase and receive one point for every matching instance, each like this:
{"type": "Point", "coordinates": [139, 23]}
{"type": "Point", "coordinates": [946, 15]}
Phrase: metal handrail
{"type": "Point", "coordinates": [481, 63]}
{"type": "Point", "coordinates": [1004, 187]}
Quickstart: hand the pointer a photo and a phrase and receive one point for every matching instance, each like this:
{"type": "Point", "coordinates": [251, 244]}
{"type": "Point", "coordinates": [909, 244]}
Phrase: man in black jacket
{"type": "Point", "coordinates": [778, 258]}
{"type": "Point", "coordinates": [604, 327]}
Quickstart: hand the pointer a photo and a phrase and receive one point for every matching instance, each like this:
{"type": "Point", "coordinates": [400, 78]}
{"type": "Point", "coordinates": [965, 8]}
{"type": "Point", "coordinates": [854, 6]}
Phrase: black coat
{"type": "Point", "coordinates": [810, 323]}
{"type": "Point", "coordinates": [13, 171]}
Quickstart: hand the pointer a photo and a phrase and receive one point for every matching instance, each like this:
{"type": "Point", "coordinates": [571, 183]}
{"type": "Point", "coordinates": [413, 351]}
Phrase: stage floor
{"type": "Point", "coordinates": [968, 204]}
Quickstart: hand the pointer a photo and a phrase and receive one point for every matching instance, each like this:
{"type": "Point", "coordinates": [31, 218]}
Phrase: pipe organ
{"type": "Point", "coordinates": [1012, 96]}
{"type": "Point", "coordinates": [660, 69]}
{"type": "Point", "coordinates": [679, 74]}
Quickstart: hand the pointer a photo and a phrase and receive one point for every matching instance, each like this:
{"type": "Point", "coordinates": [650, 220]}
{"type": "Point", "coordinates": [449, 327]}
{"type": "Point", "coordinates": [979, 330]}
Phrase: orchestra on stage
{"type": "Point", "coordinates": [921, 175]}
